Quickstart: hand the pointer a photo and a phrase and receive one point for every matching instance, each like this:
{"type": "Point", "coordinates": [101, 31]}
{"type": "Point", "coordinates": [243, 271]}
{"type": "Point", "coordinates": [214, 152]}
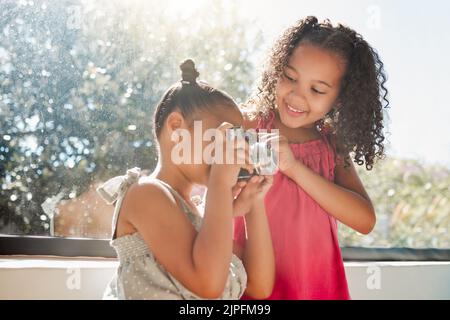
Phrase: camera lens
{"type": "Point", "coordinates": [245, 175]}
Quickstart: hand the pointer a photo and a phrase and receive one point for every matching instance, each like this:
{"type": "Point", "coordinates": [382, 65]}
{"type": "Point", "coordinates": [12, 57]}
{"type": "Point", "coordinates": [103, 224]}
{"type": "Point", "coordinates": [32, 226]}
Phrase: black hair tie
{"type": "Point", "coordinates": [188, 72]}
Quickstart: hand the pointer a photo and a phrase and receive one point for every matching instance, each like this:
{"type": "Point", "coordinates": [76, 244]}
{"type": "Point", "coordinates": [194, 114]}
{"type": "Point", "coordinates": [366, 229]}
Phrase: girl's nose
{"type": "Point", "coordinates": [296, 94]}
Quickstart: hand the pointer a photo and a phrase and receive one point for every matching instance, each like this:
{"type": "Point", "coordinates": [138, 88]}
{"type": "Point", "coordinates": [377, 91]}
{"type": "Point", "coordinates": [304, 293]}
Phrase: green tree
{"type": "Point", "coordinates": [79, 81]}
{"type": "Point", "coordinates": [411, 200]}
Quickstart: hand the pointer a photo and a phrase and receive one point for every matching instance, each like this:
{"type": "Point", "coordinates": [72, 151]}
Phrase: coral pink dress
{"type": "Point", "coordinates": [305, 238]}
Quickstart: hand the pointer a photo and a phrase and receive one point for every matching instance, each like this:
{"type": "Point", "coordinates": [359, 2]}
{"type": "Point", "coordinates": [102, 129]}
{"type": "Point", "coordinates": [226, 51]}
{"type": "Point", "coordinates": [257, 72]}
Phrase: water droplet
{"type": "Point", "coordinates": [45, 73]}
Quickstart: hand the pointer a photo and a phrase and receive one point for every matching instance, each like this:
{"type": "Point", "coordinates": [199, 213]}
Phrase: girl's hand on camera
{"type": "Point", "coordinates": [222, 172]}
{"type": "Point", "coordinates": [286, 159]}
{"type": "Point", "coordinates": [248, 193]}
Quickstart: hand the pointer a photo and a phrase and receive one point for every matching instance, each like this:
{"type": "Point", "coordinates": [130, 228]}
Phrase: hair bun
{"type": "Point", "coordinates": [188, 71]}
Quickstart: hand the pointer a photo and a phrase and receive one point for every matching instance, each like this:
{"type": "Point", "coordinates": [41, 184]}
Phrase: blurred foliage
{"type": "Point", "coordinates": [412, 205]}
{"type": "Point", "coordinates": [79, 81]}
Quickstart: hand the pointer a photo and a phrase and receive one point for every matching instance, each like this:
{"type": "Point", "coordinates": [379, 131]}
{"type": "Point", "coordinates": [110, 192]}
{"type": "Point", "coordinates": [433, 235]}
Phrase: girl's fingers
{"type": "Point", "coordinates": [251, 186]}
{"type": "Point", "coordinates": [241, 184]}
{"type": "Point", "coordinates": [224, 126]}
{"type": "Point", "coordinates": [268, 180]}
{"type": "Point", "coordinates": [250, 168]}
{"type": "Point", "coordinates": [236, 189]}
{"type": "Point", "coordinates": [264, 137]}
{"type": "Point", "coordinates": [222, 130]}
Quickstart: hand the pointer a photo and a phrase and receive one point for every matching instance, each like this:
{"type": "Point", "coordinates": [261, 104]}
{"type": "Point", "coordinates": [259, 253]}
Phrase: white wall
{"type": "Point", "coordinates": [51, 278]}
{"type": "Point", "coordinates": [398, 280]}
{"type": "Point", "coordinates": [57, 278]}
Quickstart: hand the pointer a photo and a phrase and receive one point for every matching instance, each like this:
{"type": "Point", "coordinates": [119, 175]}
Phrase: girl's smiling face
{"type": "Point", "coordinates": [309, 86]}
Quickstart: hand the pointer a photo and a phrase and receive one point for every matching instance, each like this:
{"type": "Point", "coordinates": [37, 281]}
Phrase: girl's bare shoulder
{"type": "Point", "coordinates": [144, 196]}
{"type": "Point", "coordinates": [148, 194]}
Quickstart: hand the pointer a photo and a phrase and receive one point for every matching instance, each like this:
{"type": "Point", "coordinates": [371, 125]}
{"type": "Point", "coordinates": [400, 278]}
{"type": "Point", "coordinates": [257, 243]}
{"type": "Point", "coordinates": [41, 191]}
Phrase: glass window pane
{"type": "Point", "coordinates": [80, 79]}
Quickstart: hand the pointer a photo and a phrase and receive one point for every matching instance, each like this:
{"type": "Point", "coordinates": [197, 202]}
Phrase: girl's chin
{"type": "Point", "coordinates": [292, 122]}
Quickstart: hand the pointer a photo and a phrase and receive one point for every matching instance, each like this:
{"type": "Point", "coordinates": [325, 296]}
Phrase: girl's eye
{"type": "Point", "coordinates": [317, 91]}
{"type": "Point", "coordinates": [289, 78]}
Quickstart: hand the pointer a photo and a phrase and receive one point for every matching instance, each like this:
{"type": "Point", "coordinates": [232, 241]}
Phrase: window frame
{"type": "Point", "coordinates": [55, 246]}
{"type": "Point", "coordinates": [86, 247]}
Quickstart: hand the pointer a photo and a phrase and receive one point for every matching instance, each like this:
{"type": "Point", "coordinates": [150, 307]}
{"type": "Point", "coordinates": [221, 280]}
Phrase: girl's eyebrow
{"type": "Point", "coordinates": [323, 82]}
{"type": "Point", "coordinates": [319, 81]}
{"type": "Point", "coordinates": [291, 67]}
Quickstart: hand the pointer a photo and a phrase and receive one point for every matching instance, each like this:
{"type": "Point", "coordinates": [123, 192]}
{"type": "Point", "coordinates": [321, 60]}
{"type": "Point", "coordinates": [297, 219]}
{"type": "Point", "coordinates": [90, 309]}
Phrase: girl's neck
{"type": "Point", "coordinates": [295, 135]}
{"type": "Point", "coordinates": [172, 175]}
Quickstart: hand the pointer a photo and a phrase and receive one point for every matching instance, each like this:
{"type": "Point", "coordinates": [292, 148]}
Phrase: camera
{"type": "Point", "coordinates": [262, 154]}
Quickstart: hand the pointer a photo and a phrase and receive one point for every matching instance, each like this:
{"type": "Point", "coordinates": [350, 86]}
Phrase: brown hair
{"type": "Point", "coordinates": [188, 96]}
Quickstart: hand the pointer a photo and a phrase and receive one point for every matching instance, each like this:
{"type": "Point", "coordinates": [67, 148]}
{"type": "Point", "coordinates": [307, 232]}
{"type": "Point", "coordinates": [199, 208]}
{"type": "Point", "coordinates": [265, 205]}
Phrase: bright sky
{"type": "Point", "coordinates": [413, 40]}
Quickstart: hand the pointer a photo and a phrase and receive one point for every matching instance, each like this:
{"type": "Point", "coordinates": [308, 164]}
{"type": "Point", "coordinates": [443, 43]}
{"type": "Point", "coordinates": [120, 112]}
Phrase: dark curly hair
{"type": "Point", "coordinates": [357, 125]}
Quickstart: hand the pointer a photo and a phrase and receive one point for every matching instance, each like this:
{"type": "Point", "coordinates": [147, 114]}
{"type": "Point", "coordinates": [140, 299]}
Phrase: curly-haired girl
{"type": "Point", "coordinates": [323, 89]}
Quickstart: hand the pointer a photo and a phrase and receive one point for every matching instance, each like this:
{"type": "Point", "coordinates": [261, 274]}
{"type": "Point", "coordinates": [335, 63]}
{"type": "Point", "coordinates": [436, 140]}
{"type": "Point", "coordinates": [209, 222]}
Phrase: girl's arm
{"type": "Point", "coordinates": [200, 261]}
{"type": "Point", "coordinates": [257, 254]}
{"type": "Point", "coordinates": [345, 199]}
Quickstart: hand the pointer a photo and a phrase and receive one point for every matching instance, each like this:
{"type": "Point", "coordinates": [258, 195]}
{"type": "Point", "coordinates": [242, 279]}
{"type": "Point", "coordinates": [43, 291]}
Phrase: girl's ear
{"type": "Point", "coordinates": [175, 120]}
